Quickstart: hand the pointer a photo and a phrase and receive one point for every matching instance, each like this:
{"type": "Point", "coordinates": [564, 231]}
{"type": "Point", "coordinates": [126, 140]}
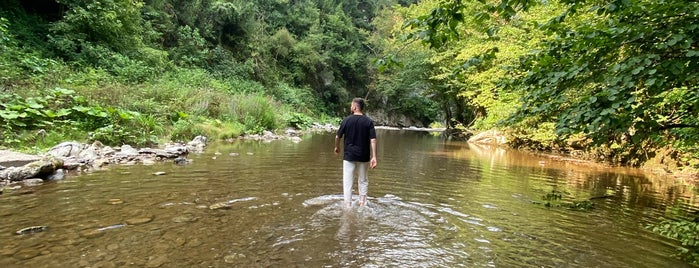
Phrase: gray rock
{"type": "Point", "coordinates": [92, 152]}
{"type": "Point", "coordinates": [16, 159]}
{"type": "Point", "coordinates": [32, 229]}
{"type": "Point", "coordinates": [197, 144]}
{"type": "Point", "coordinates": [58, 175]}
{"type": "Point", "coordinates": [37, 169]}
{"type": "Point", "coordinates": [182, 160]}
{"type": "Point", "coordinates": [99, 163]}
{"type": "Point", "coordinates": [33, 182]}
{"type": "Point", "coordinates": [139, 220]}
{"type": "Point", "coordinates": [66, 149]}
{"type": "Point", "coordinates": [72, 164]}
{"type": "Point", "coordinates": [176, 149]}
{"type": "Point", "coordinates": [268, 134]}
{"type": "Point", "coordinates": [108, 151]}
{"type": "Point", "coordinates": [127, 150]}
{"type": "Point", "coordinates": [290, 132]}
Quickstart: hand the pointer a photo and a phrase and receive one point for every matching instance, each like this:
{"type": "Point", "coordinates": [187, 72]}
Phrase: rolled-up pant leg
{"type": "Point", "coordinates": [363, 177]}
{"type": "Point", "coordinates": [348, 169]}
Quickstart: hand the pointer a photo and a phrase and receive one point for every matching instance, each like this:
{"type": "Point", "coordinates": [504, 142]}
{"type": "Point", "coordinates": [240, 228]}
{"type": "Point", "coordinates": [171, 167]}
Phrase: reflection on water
{"type": "Point", "coordinates": [433, 203]}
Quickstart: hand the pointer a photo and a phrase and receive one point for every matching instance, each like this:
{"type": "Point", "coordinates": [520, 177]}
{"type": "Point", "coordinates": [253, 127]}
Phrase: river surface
{"type": "Point", "coordinates": [433, 203]}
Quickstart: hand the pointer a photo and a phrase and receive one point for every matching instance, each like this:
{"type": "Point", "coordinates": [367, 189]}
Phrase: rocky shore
{"type": "Point", "coordinates": [18, 170]}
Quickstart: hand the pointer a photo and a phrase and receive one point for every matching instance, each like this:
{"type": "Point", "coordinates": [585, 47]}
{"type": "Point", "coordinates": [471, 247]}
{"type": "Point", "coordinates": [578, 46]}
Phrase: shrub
{"type": "Point", "coordinates": [257, 112]}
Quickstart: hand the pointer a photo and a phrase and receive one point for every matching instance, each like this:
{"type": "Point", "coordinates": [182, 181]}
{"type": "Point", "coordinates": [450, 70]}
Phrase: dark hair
{"type": "Point", "coordinates": [360, 103]}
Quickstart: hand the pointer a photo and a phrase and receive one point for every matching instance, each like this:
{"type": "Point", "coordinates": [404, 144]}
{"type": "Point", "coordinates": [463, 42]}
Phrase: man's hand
{"type": "Point", "coordinates": [337, 150]}
{"type": "Point", "coordinates": [372, 163]}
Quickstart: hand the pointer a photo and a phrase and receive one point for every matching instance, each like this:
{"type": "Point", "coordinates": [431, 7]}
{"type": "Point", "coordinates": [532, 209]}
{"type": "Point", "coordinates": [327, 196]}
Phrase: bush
{"type": "Point", "coordinates": [187, 128]}
{"type": "Point", "coordinates": [257, 112]}
{"type": "Point", "coordinates": [299, 120]}
{"type": "Point", "coordinates": [682, 226]}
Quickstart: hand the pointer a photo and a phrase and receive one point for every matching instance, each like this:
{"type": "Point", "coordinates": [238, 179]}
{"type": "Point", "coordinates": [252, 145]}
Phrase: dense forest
{"type": "Point", "coordinates": [613, 80]}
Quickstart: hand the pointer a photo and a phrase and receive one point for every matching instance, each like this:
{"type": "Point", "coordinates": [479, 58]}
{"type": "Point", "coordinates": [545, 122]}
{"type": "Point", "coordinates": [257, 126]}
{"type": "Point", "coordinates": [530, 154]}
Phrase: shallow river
{"type": "Point", "coordinates": [433, 203]}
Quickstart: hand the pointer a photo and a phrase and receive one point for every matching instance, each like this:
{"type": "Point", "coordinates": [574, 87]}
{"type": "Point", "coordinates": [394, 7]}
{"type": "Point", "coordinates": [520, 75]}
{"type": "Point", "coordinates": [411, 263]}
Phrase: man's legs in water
{"type": "Point", "coordinates": [363, 181]}
{"type": "Point", "coordinates": [347, 181]}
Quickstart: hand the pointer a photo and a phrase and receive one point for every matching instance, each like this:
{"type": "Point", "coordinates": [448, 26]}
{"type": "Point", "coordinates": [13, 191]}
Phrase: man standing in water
{"type": "Point", "coordinates": [359, 151]}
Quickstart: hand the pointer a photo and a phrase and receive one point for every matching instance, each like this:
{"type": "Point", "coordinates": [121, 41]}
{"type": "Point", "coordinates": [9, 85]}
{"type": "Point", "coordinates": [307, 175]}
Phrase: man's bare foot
{"type": "Point", "coordinates": [348, 205]}
{"type": "Point", "coordinates": [362, 200]}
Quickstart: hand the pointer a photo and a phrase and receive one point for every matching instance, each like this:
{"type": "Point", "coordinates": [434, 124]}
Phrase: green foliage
{"type": "Point", "coordinates": [555, 198]}
{"type": "Point", "coordinates": [683, 227]}
{"type": "Point", "coordinates": [644, 88]}
{"type": "Point", "coordinates": [191, 48]}
{"type": "Point", "coordinates": [114, 25]}
{"type": "Point", "coordinates": [256, 112]}
{"type": "Point", "coordinates": [623, 73]}
{"type": "Point", "coordinates": [186, 129]}
{"type": "Point", "coordinates": [299, 120]}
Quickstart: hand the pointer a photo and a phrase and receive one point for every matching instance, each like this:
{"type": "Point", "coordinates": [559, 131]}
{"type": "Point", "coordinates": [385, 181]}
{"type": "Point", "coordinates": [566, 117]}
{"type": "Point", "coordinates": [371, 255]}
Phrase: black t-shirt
{"type": "Point", "coordinates": [358, 130]}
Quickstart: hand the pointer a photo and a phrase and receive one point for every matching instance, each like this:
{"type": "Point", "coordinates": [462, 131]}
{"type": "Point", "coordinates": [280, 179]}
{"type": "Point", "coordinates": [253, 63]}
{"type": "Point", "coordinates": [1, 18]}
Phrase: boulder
{"type": "Point", "coordinates": [15, 159]}
{"type": "Point", "coordinates": [58, 175]}
{"type": "Point", "coordinates": [489, 137]}
{"type": "Point", "coordinates": [92, 152]}
{"type": "Point", "coordinates": [176, 149]}
{"type": "Point", "coordinates": [127, 150]}
{"type": "Point", "coordinates": [197, 144]}
{"type": "Point", "coordinates": [38, 169]}
{"type": "Point", "coordinates": [66, 149]}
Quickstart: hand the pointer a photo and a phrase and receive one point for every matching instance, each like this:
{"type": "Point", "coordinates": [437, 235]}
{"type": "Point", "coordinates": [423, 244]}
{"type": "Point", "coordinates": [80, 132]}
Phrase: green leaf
{"type": "Point", "coordinates": [9, 115]}
{"type": "Point", "coordinates": [676, 38]}
{"type": "Point", "coordinates": [31, 103]}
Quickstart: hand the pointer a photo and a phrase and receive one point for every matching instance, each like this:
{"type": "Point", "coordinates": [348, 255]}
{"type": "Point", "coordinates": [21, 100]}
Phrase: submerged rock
{"type": "Point", "coordinates": [58, 175]}
{"type": "Point", "coordinates": [139, 220]}
{"type": "Point", "coordinates": [32, 229]}
{"type": "Point", "coordinates": [220, 205]}
{"type": "Point", "coordinates": [33, 182]}
{"type": "Point", "coordinates": [182, 160]}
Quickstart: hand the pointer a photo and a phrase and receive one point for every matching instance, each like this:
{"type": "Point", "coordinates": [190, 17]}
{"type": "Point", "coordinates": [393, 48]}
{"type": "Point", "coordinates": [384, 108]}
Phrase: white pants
{"type": "Point", "coordinates": [349, 169]}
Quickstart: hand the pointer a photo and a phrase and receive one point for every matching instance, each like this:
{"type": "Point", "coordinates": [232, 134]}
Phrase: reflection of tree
{"type": "Point", "coordinates": [578, 180]}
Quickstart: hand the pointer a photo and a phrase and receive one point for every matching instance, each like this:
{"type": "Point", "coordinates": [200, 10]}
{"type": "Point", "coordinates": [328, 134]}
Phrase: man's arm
{"type": "Point", "coordinates": [373, 154]}
{"type": "Point", "coordinates": [337, 144]}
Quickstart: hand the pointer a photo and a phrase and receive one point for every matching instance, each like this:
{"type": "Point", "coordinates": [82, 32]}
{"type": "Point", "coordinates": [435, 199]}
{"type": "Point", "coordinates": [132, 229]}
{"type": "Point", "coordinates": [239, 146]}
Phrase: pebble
{"type": "Point", "coordinates": [220, 205]}
{"type": "Point", "coordinates": [159, 173]}
{"type": "Point", "coordinates": [157, 261]}
{"type": "Point", "coordinates": [139, 220]}
{"type": "Point", "coordinates": [233, 257]}
{"type": "Point", "coordinates": [116, 201]}
{"type": "Point", "coordinates": [91, 233]}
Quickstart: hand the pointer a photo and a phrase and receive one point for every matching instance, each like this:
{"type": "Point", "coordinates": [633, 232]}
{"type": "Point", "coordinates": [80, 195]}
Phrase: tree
{"type": "Point", "coordinates": [621, 72]}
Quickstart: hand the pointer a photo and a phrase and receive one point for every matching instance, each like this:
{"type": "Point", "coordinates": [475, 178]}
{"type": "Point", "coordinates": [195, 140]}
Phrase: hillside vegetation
{"type": "Point", "coordinates": [611, 80]}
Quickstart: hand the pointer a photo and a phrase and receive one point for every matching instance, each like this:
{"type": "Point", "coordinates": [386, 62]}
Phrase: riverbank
{"type": "Point", "coordinates": [74, 158]}
{"type": "Point", "coordinates": [661, 164]}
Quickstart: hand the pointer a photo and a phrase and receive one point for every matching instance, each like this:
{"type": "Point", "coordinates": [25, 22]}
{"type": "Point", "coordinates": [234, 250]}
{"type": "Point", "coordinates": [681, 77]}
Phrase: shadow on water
{"type": "Point", "coordinates": [433, 203]}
